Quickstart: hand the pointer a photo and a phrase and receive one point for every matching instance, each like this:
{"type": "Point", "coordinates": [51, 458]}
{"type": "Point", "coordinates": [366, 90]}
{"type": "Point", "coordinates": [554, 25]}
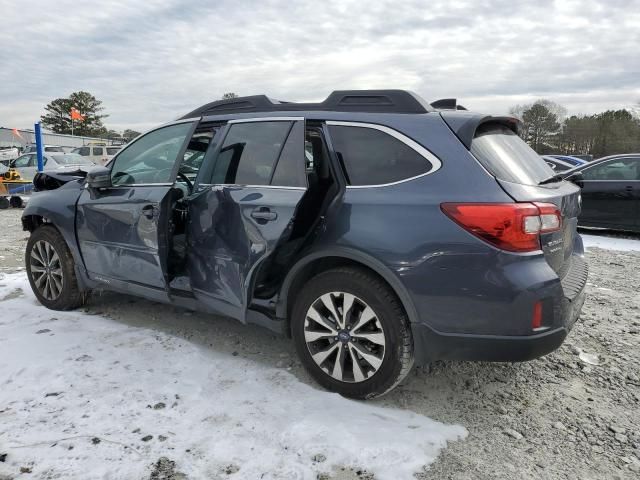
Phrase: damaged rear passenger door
{"type": "Point", "coordinates": [244, 206]}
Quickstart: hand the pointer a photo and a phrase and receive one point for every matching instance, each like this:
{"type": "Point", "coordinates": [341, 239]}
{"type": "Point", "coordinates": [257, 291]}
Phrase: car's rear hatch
{"type": "Point", "coordinates": [526, 177]}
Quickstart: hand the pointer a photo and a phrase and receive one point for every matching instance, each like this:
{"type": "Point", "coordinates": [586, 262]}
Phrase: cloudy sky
{"type": "Point", "coordinates": [151, 60]}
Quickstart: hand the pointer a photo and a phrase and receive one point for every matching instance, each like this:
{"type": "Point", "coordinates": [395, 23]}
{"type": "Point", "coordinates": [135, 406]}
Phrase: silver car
{"type": "Point", "coordinates": [27, 165]}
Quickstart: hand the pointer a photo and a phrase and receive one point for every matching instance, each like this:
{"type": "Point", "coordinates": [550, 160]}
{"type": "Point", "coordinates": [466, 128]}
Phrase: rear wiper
{"type": "Point", "coordinates": [553, 179]}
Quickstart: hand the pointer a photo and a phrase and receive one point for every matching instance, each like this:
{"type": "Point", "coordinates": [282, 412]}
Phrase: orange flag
{"type": "Point", "coordinates": [75, 114]}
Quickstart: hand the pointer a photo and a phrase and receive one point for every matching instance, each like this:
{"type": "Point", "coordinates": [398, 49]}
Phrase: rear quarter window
{"type": "Point", "coordinates": [374, 157]}
{"type": "Point", "coordinates": [507, 157]}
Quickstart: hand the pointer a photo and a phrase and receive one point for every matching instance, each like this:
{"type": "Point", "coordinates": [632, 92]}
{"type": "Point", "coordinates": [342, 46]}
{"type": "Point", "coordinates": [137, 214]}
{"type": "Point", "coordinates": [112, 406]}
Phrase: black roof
{"type": "Point", "coordinates": [376, 101]}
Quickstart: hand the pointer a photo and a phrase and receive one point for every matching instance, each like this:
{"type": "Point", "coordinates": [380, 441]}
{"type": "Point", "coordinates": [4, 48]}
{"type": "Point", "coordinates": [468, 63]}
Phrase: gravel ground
{"type": "Point", "coordinates": [574, 414]}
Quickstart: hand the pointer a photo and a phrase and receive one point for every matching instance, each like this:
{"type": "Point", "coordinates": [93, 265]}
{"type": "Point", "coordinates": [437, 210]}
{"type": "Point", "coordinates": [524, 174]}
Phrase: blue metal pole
{"type": "Point", "coordinates": [39, 146]}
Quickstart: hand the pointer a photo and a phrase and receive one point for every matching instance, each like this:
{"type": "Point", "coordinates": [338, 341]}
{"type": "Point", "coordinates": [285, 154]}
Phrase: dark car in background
{"type": "Point", "coordinates": [373, 228]}
{"type": "Point", "coordinates": [610, 192]}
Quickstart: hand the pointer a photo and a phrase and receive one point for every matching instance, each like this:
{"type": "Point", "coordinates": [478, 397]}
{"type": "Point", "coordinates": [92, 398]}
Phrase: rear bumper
{"type": "Point", "coordinates": [487, 348]}
{"type": "Point", "coordinates": [433, 345]}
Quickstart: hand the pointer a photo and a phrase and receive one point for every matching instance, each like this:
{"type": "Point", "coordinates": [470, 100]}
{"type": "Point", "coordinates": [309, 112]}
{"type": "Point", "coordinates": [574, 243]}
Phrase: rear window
{"type": "Point", "coordinates": [506, 156]}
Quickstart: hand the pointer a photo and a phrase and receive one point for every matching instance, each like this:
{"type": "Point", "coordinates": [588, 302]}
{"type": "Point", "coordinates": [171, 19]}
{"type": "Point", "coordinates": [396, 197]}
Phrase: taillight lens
{"type": "Point", "coordinates": [515, 227]}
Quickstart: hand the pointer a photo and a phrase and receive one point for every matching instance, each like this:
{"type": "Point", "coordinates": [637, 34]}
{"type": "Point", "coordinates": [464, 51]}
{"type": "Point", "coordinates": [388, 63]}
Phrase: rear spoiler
{"type": "Point", "coordinates": [465, 125]}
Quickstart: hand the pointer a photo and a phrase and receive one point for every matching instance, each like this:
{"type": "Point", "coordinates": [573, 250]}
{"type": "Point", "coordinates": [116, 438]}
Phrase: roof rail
{"type": "Point", "coordinates": [377, 101]}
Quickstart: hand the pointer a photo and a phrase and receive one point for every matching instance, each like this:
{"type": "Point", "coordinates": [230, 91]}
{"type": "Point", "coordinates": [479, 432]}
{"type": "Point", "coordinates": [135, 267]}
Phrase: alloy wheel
{"type": "Point", "coordinates": [345, 337]}
{"type": "Point", "coordinates": [46, 270]}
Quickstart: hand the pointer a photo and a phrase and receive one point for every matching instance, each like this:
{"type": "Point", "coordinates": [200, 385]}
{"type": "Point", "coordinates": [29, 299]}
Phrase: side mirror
{"type": "Point", "coordinates": [99, 177]}
{"type": "Point", "coordinates": [576, 178]}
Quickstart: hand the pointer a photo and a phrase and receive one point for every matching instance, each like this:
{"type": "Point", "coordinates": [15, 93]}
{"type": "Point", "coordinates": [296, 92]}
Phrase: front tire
{"type": "Point", "coordinates": [351, 333]}
{"type": "Point", "coordinates": [51, 270]}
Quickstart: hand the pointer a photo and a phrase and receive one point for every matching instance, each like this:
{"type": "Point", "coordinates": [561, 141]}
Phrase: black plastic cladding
{"type": "Point", "coordinates": [375, 101]}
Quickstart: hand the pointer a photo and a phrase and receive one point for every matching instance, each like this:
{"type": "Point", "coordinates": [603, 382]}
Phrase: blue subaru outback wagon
{"type": "Point", "coordinates": [375, 229]}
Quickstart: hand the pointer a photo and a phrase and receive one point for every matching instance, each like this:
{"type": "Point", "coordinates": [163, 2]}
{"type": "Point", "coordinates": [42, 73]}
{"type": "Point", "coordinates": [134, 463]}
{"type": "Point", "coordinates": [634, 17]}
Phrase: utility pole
{"type": "Point", "coordinates": [39, 147]}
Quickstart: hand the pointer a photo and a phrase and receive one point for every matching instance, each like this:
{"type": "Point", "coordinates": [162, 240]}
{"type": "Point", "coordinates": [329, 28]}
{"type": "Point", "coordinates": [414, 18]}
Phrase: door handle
{"type": "Point", "coordinates": [263, 213]}
{"type": "Point", "coordinates": [148, 211]}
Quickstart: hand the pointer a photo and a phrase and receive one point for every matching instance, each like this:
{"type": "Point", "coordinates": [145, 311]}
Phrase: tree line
{"type": "Point", "coordinates": [548, 130]}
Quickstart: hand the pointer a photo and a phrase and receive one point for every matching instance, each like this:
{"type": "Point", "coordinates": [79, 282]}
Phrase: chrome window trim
{"type": "Point", "coordinates": [279, 187]}
{"type": "Point", "coordinates": [127, 185]}
{"type": "Point", "coordinates": [415, 146]}
{"type": "Point", "coordinates": [265, 119]}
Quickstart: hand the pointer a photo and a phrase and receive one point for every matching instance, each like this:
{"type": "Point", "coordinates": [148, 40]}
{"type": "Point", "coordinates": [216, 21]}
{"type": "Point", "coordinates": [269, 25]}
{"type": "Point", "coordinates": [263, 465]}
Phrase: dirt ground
{"type": "Point", "coordinates": [574, 414]}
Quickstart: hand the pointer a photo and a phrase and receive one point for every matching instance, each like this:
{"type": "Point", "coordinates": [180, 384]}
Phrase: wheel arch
{"type": "Point", "coordinates": [36, 216]}
{"type": "Point", "coordinates": [319, 261]}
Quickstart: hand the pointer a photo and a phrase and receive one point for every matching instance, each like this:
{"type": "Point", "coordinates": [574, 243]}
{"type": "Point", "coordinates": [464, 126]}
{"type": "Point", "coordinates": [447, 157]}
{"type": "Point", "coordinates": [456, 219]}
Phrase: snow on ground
{"type": "Point", "coordinates": [611, 243]}
{"type": "Point", "coordinates": [80, 394]}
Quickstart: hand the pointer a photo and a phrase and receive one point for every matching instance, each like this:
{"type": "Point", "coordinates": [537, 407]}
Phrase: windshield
{"type": "Point", "coordinates": [506, 156]}
{"type": "Point", "coordinates": [71, 159]}
{"type": "Point", "coordinates": [112, 150]}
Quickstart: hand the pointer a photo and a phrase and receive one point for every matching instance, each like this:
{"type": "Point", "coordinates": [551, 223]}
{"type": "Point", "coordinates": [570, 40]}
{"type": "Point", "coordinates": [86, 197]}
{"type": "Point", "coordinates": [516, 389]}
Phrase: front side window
{"type": "Point", "coordinates": [25, 161]}
{"type": "Point", "coordinates": [249, 153]}
{"type": "Point", "coordinates": [151, 158]}
{"type": "Point", "coordinates": [373, 157]}
{"type": "Point", "coordinates": [623, 169]}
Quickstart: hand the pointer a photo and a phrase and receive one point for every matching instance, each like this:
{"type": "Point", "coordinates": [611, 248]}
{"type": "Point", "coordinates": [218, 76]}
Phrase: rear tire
{"type": "Point", "coordinates": [4, 203]}
{"type": "Point", "coordinates": [361, 353]}
{"type": "Point", "coordinates": [51, 270]}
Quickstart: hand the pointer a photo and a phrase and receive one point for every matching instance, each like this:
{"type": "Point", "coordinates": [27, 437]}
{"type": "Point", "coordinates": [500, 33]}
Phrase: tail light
{"type": "Point", "coordinates": [515, 227]}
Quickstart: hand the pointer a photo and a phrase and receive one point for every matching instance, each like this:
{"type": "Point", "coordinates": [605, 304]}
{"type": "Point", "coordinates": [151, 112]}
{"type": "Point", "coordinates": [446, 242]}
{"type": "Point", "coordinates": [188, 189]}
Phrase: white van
{"type": "Point", "coordinates": [100, 154]}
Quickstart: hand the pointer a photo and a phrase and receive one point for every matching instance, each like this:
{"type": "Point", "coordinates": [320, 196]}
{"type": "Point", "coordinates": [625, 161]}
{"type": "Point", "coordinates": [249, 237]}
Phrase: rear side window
{"type": "Point", "coordinates": [249, 153]}
{"type": "Point", "coordinates": [289, 171]}
{"type": "Point", "coordinates": [373, 157]}
{"type": "Point", "coordinates": [507, 157]}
